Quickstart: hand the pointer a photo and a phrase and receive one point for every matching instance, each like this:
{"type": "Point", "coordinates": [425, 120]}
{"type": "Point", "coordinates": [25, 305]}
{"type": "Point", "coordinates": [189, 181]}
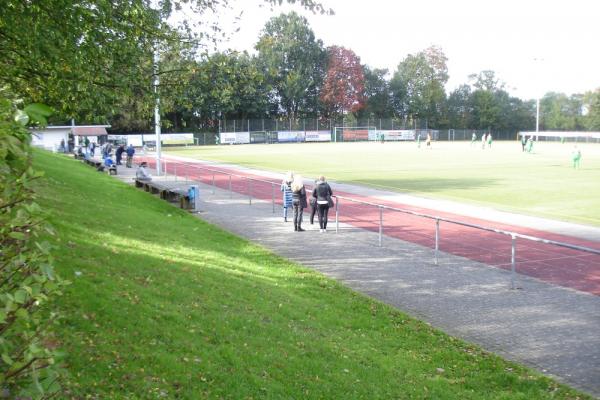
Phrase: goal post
{"type": "Point", "coordinates": [353, 133]}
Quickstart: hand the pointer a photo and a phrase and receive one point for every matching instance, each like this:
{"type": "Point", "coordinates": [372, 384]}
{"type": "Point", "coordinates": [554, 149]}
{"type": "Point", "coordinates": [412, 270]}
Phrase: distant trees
{"type": "Point", "coordinates": [344, 85]}
{"type": "Point", "coordinates": [418, 86]}
{"type": "Point", "coordinates": [293, 64]}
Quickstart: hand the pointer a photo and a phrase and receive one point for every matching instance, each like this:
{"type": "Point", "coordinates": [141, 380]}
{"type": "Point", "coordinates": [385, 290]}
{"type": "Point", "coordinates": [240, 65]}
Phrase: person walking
{"type": "Point", "coordinates": [119, 153]}
{"type": "Point", "coordinates": [298, 201]}
{"type": "Point", "coordinates": [130, 152]}
{"type": "Point", "coordinates": [322, 193]}
{"type": "Point", "coordinates": [286, 188]}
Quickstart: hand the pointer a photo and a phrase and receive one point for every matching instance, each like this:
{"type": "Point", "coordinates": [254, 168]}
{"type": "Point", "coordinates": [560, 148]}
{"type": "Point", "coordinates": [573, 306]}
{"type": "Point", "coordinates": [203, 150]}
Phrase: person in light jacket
{"type": "Point", "coordinates": [322, 192]}
{"type": "Point", "coordinates": [286, 188]}
{"type": "Point", "coordinates": [298, 201]}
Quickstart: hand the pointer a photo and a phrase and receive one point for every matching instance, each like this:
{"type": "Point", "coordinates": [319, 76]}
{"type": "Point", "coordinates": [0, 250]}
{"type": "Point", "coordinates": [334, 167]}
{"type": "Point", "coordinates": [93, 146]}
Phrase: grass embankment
{"type": "Point", "coordinates": [541, 183]}
{"type": "Point", "coordinates": [163, 305]}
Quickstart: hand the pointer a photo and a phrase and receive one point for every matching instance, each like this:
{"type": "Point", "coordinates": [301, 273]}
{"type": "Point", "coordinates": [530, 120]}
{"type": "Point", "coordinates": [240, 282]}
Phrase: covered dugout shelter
{"type": "Point", "coordinates": [50, 137]}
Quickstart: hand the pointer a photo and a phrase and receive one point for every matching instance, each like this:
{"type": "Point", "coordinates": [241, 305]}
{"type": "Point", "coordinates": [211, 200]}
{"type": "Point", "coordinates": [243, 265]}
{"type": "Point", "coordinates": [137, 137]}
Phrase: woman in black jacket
{"type": "Point", "coordinates": [322, 193]}
{"type": "Point", "coordinates": [298, 201]}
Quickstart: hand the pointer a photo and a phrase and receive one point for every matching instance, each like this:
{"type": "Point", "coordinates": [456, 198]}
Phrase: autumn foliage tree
{"type": "Point", "coordinates": [344, 85]}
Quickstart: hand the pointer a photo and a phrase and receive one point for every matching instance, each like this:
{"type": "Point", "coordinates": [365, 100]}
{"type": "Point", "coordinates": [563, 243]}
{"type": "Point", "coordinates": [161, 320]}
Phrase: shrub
{"type": "Point", "coordinates": [27, 279]}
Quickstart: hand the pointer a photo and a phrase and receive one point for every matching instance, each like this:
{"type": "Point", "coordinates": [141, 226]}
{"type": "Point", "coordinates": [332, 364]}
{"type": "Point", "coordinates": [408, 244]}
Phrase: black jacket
{"type": "Point", "coordinates": [299, 197]}
{"type": "Point", "coordinates": [322, 191]}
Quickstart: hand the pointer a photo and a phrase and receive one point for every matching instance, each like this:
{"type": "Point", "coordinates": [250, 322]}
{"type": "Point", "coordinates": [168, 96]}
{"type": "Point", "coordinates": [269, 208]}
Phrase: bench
{"type": "Point", "coordinates": [169, 191]}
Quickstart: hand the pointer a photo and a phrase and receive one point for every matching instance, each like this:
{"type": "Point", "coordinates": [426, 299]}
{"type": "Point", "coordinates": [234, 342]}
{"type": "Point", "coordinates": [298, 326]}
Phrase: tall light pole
{"type": "Point", "coordinates": [537, 108]}
{"type": "Point", "coordinates": [155, 5]}
{"type": "Point", "coordinates": [157, 110]}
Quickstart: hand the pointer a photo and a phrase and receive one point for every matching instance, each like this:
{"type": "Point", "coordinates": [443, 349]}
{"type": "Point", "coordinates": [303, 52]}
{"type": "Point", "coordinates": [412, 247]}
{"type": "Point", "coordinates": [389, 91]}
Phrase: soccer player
{"type": "Point", "coordinates": [530, 144]}
{"type": "Point", "coordinates": [473, 139]}
{"type": "Point", "coordinates": [576, 155]}
{"type": "Point", "coordinates": [489, 139]}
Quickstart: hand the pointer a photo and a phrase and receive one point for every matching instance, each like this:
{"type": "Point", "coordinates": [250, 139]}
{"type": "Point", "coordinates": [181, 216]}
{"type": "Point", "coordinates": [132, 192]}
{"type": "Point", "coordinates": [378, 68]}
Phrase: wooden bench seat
{"type": "Point", "coordinates": [170, 191]}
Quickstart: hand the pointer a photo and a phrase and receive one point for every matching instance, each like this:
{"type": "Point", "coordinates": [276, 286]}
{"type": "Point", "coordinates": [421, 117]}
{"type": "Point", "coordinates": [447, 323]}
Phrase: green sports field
{"type": "Point", "coordinates": [541, 183]}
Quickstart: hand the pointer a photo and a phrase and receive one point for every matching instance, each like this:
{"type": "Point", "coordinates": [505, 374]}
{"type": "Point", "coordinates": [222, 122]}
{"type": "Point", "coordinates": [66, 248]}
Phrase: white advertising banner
{"type": "Point", "coordinates": [290, 136]}
{"type": "Point", "coordinates": [234, 137]}
{"type": "Point", "coordinates": [393, 135]}
{"type": "Point", "coordinates": [317, 136]}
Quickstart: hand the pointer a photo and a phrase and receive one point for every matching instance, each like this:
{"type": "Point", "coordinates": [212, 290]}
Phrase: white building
{"type": "Point", "coordinates": [50, 137]}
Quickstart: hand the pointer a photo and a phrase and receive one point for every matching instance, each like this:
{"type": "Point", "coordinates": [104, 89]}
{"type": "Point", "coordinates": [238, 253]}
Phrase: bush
{"type": "Point", "coordinates": [27, 279]}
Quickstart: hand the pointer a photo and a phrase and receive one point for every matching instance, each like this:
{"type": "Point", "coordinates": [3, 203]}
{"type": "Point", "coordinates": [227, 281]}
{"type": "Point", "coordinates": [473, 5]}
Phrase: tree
{"type": "Point", "coordinates": [460, 108]}
{"type": "Point", "coordinates": [486, 80]}
{"type": "Point", "coordinates": [591, 102]}
{"type": "Point", "coordinates": [343, 89]}
{"type": "Point", "coordinates": [418, 85]}
{"type": "Point", "coordinates": [293, 62]}
{"type": "Point", "coordinates": [227, 84]}
{"type": "Point", "coordinates": [560, 112]}
{"type": "Point", "coordinates": [377, 94]}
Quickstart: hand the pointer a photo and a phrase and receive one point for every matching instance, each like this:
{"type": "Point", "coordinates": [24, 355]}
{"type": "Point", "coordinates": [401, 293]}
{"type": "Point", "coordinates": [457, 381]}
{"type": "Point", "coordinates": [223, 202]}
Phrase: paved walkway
{"type": "Point", "coordinates": [550, 328]}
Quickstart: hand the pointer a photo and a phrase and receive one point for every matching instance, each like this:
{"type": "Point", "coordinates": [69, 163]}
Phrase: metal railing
{"type": "Point", "coordinates": [251, 183]}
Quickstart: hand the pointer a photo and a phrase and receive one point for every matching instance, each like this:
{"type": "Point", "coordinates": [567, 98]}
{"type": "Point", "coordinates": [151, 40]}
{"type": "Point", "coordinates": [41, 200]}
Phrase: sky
{"type": "Point", "coordinates": [533, 46]}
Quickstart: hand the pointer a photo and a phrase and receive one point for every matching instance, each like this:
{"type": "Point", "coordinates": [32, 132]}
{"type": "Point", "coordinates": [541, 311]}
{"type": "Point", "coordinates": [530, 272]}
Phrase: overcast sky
{"type": "Point", "coordinates": [506, 36]}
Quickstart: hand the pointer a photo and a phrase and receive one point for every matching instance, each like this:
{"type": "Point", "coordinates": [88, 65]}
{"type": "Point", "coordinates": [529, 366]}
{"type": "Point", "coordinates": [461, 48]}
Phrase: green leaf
{"type": "Point", "coordinates": [48, 270]}
{"type": "Point", "coordinates": [6, 358]}
{"type": "Point", "coordinates": [17, 235]}
{"type": "Point", "coordinates": [22, 314]}
{"type": "Point", "coordinates": [40, 109]}
{"type": "Point", "coordinates": [20, 296]}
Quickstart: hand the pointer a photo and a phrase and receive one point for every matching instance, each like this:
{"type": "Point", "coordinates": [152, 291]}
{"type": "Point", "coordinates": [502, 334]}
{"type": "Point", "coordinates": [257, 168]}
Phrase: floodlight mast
{"type": "Point", "coordinates": [155, 5]}
{"type": "Point", "coordinates": [537, 108]}
{"type": "Point", "coordinates": [157, 111]}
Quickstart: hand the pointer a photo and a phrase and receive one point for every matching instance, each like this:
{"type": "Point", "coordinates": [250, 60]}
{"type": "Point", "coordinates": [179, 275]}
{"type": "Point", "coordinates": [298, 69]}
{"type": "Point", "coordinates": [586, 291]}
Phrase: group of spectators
{"type": "Point", "coordinates": [295, 197]}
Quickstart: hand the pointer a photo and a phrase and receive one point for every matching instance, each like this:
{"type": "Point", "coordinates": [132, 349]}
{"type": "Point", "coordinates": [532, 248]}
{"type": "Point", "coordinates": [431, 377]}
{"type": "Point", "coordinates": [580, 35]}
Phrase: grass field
{"type": "Point", "coordinates": [542, 183]}
{"type": "Point", "coordinates": [165, 306]}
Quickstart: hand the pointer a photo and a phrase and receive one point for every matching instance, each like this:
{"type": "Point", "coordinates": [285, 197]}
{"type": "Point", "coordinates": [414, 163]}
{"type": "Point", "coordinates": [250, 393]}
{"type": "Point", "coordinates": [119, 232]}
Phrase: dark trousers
{"type": "Point", "coordinates": [298, 210]}
{"type": "Point", "coordinates": [313, 211]}
{"type": "Point", "coordinates": [323, 210]}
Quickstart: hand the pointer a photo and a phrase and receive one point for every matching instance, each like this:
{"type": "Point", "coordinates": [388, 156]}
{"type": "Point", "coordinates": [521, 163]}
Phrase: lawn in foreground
{"type": "Point", "coordinates": [541, 183]}
{"type": "Point", "coordinates": [163, 305]}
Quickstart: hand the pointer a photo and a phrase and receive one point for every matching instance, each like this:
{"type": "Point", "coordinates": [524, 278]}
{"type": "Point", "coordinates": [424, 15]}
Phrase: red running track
{"type": "Point", "coordinates": [550, 263]}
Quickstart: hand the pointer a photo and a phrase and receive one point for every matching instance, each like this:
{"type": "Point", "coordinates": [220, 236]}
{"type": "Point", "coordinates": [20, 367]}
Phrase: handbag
{"type": "Point", "coordinates": [329, 201]}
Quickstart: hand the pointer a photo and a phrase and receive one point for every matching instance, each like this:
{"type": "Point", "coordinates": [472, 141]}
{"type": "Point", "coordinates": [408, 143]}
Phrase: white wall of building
{"type": "Point", "coordinates": [50, 140]}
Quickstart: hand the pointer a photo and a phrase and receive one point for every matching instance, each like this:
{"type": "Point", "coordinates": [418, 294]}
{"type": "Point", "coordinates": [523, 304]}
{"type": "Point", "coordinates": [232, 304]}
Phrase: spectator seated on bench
{"type": "Point", "coordinates": [142, 173]}
{"type": "Point", "coordinates": [109, 165]}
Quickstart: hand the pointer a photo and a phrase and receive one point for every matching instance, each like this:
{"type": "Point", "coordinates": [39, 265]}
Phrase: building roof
{"type": "Point", "coordinates": [79, 130]}
{"type": "Point", "coordinates": [89, 131]}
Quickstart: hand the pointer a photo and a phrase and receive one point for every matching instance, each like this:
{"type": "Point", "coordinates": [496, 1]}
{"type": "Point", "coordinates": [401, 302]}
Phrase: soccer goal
{"type": "Point", "coordinates": [566, 136]}
{"type": "Point", "coordinates": [353, 133]}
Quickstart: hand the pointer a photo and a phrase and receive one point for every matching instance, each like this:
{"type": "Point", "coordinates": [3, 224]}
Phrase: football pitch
{"type": "Point", "coordinates": [542, 183]}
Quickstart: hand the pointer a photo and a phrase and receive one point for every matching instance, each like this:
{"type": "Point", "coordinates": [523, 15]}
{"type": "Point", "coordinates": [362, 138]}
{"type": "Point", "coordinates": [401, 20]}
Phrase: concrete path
{"type": "Point", "coordinates": [553, 329]}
